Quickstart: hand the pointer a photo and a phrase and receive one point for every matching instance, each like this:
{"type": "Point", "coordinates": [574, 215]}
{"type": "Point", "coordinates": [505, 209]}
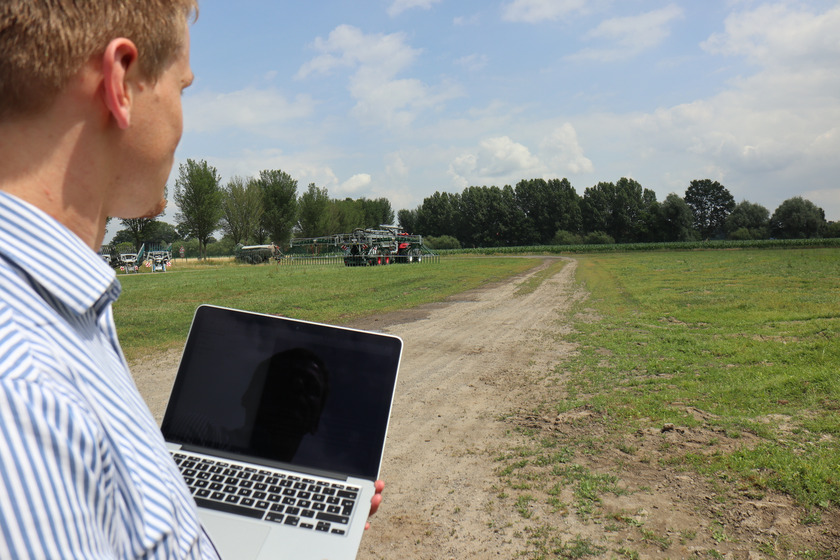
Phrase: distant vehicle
{"type": "Point", "coordinates": [160, 260]}
{"type": "Point", "coordinates": [128, 262]}
{"type": "Point", "coordinates": [256, 254]}
{"type": "Point", "coordinates": [364, 247]}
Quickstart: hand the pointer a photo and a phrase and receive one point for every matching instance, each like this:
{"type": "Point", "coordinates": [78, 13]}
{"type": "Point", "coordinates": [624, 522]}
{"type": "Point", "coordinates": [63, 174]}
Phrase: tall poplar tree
{"type": "Point", "coordinates": [198, 194]}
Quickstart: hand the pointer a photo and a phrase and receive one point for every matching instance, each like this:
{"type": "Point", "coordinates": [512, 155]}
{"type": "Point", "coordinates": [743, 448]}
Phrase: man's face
{"type": "Point", "coordinates": [154, 133]}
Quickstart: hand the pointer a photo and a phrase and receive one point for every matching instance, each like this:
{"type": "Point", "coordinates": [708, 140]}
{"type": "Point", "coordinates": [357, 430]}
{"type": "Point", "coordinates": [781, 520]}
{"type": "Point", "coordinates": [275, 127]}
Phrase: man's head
{"type": "Point", "coordinates": [46, 42]}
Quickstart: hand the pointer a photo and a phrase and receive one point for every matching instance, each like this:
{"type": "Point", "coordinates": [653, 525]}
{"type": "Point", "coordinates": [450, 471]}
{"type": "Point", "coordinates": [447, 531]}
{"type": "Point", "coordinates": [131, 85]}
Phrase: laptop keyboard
{"type": "Point", "coordinates": [298, 501]}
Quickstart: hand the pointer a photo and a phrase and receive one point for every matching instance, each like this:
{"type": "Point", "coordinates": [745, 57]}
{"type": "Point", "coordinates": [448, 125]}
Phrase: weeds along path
{"type": "Point", "coordinates": [468, 363]}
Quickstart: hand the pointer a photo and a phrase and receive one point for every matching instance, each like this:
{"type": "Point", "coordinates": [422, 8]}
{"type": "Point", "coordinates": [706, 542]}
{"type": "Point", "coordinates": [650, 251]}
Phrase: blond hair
{"type": "Point", "coordinates": [44, 43]}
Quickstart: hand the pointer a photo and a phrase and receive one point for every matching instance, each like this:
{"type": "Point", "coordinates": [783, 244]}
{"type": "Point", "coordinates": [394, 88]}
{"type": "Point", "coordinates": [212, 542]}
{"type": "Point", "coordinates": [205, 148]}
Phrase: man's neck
{"type": "Point", "coordinates": [49, 162]}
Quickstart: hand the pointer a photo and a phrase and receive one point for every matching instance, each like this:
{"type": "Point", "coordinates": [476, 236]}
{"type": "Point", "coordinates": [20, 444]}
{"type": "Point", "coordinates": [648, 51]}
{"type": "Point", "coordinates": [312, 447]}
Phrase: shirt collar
{"type": "Point", "coordinates": [54, 257]}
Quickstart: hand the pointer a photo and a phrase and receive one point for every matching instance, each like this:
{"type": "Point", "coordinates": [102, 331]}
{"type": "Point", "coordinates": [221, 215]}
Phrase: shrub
{"type": "Point", "coordinates": [564, 237]}
{"type": "Point", "coordinates": [442, 242]}
{"type": "Point", "coordinates": [599, 238]}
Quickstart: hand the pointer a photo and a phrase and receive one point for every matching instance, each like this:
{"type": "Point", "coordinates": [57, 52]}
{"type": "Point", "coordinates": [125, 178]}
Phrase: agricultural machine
{"type": "Point", "coordinates": [158, 258]}
{"type": "Point", "coordinates": [256, 254]}
{"type": "Point", "coordinates": [363, 247]}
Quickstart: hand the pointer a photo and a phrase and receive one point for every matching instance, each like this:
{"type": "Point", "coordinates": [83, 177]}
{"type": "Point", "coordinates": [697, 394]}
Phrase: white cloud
{"type": "Point", "coordinates": [783, 115]}
{"type": "Point", "coordinates": [778, 35]}
{"type": "Point", "coordinates": [353, 184]}
{"type": "Point", "coordinates": [496, 160]}
{"type": "Point", "coordinates": [463, 21]}
{"type": "Point", "coordinates": [769, 136]}
{"type": "Point", "coordinates": [304, 167]}
{"type": "Point", "coordinates": [395, 165]}
{"type": "Point", "coordinates": [564, 153]}
{"type": "Point", "coordinates": [347, 46]}
{"type": "Point", "coordinates": [472, 62]}
{"type": "Point", "coordinates": [376, 60]}
{"type": "Point", "coordinates": [631, 35]}
{"type": "Point", "coordinates": [248, 108]}
{"type": "Point", "coordinates": [400, 6]}
{"type": "Point", "coordinates": [535, 11]}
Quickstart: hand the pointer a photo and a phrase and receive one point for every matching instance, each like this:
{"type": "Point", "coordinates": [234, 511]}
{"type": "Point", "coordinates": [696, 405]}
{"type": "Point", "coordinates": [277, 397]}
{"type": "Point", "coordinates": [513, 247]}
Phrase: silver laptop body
{"type": "Point", "coordinates": [279, 427]}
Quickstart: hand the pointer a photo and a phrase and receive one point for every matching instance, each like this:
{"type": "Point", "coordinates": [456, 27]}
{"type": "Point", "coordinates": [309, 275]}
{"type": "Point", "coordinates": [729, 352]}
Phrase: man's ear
{"type": "Point", "coordinates": [119, 59]}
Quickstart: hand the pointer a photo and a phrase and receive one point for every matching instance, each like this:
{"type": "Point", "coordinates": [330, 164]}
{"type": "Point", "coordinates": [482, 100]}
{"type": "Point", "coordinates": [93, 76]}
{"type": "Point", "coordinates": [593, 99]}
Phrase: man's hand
{"type": "Point", "coordinates": [376, 500]}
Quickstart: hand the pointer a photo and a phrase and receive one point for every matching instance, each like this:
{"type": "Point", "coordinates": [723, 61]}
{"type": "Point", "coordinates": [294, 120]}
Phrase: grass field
{"type": "Point", "coordinates": [155, 310]}
{"type": "Point", "coordinates": [752, 337]}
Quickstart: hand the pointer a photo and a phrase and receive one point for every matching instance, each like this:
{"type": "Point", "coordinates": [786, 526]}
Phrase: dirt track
{"type": "Point", "coordinates": [466, 365]}
{"type": "Point", "coordinates": [476, 367]}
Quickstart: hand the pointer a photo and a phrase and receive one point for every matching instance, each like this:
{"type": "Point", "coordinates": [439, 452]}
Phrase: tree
{"type": "Point", "coordinates": [198, 194]}
{"type": "Point", "coordinates": [615, 209]}
{"type": "Point", "coordinates": [160, 233]}
{"type": "Point", "coordinates": [348, 215]}
{"type": "Point", "coordinates": [711, 203]}
{"type": "Point", "coordinates": [241, 209]}
{"type": "Point", "coordinates": [438, 215]}
{"type": "Point", "coordinates": [136, 230]}
{"type": "Point", "coordinates": [377, 212]}
{"type": "Point", "coordinates": [797, 218]}
{"type": "Point", "coordinates": [407, 220]}
{"type": "Point", "coordinates": [549, 206]}
{"type": "Point", "coordinates": [490, 217]}
{"type": "Point", "coordinates": [313, 212]}
{"type": "Point", "coordinates": [747, 221]}
{"type": "Point", "coordinates": [676, 219]}
{"type": "Point", "coordinates": [139, 228]}
{"type": "Point", "coordinates": [280, 207]}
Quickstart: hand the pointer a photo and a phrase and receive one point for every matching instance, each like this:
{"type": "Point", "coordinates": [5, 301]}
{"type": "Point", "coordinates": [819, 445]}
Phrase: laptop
{"type": "Point", "coordinates": [278, 426]}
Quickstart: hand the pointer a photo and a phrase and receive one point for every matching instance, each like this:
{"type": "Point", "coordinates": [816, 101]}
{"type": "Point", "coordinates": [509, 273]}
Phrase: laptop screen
{"type": "Point", "coordinates": [314, 396]}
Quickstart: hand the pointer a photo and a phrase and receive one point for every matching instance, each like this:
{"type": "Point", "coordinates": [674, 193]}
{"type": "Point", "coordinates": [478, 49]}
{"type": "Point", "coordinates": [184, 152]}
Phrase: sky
{"type": "Point", "coordinates": [402, 98]}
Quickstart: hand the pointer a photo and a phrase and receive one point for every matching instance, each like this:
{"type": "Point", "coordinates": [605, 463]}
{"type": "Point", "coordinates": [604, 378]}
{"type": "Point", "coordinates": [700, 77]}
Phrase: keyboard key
{"type": "Point", "coordinates": [230, 508]}
{"type": "Point", "coordinates": [332, 518]}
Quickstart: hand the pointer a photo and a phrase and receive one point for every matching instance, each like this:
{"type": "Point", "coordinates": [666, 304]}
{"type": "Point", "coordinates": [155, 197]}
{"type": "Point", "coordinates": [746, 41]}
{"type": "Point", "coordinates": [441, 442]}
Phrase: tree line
{"type": "Point", "coordinates": [268, 209]}
{"type": "Point", "coordinates": [251, 210]}
{"type": "Point", "coordinates": [550, 212]}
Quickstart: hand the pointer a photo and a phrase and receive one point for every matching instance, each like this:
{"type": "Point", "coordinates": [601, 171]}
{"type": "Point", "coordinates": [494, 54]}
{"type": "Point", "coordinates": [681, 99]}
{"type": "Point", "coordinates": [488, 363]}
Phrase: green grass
{"type": "Point", "coordinates": [531, 284]}
{"type": "Point", "coordinates": [748, 335]}
{"type": "Point", "coordinates": [155, 310]}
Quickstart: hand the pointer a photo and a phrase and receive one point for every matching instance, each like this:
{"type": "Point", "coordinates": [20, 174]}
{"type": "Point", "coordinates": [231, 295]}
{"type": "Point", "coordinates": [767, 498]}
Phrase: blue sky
{"type": "Point", "coordinates": [402, 98]}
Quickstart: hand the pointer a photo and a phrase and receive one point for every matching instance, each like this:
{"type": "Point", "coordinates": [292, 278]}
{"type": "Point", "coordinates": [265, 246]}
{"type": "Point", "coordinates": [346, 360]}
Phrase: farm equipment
{"type": "Point", "coordinates": [363, 247]}
{"type": "Point", "coordinates": [128, 262]}
{"type": "Point", "coordinates": [256, 254]}
{"type": "Point", "coordinates": [158, 257]}
{"type": "Point", "coordinates": [160, 260]}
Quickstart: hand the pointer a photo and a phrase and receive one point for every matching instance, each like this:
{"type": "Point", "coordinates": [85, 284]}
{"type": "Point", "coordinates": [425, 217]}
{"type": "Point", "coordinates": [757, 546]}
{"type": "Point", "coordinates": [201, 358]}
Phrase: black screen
{"type": "Point", "coordinates": [314, 396]}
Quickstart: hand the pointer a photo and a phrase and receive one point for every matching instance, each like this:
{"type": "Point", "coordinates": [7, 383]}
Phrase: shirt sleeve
{"type": "Point", "coordinates": [56, 491]}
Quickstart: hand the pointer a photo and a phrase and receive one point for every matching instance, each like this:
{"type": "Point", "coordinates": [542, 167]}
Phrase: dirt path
{"type": "Point", "coordinates": [474, 368]}
{"type": "Point", "coordinates": [467, 364]}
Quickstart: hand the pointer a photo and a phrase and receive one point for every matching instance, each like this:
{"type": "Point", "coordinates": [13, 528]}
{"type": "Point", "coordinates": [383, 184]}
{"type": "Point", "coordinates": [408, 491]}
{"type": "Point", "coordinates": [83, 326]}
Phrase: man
{"type": "Point", "coordinates": [90, 116]}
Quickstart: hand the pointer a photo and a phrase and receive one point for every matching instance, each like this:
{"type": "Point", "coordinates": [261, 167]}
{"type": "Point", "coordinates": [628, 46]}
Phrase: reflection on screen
{"type": "Point", "coordinates": [284, 390]}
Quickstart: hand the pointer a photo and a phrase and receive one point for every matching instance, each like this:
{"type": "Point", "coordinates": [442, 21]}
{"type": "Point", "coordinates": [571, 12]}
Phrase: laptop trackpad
{"type": "Point", "coordinates": [234, 538]}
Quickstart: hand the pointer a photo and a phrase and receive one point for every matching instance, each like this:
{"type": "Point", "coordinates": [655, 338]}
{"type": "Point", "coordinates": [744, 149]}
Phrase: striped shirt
{"type": "Point", "coordinates": [84, 470]}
